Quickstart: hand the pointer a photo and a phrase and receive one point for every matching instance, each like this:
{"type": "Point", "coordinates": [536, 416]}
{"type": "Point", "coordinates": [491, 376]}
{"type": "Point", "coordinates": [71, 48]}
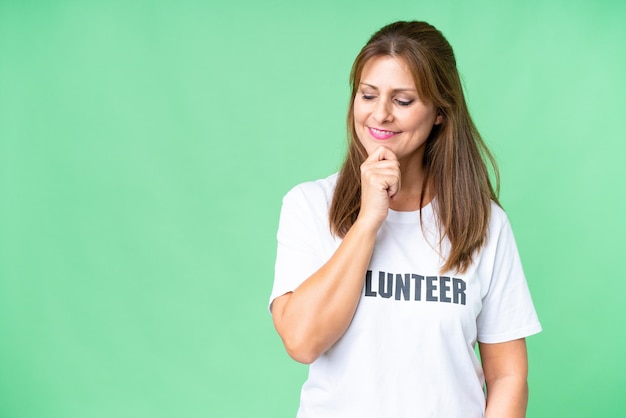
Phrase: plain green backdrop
{"type": "Point", "coordinates": [145, 147]}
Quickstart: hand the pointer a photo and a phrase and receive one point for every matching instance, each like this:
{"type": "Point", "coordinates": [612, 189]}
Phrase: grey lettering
{"type": "Point", "coordinates": [431, 288]}
{"type": "Point", "coordinates": [418, 285]}
{"type": "Point", "coordinates": [458, 291]}
{"type": "Point", "coordinates": [444, 288]}
{"type": "Point", "coordinates": [381, 284]}
{"type": "Point", "coordinates": [368, 284]}
{"type": "Point", "coordinates": [403, 286]}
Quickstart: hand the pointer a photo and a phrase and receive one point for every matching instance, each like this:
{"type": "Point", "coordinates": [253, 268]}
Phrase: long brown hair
{"type": "Point", "coordinates": [455, 156]}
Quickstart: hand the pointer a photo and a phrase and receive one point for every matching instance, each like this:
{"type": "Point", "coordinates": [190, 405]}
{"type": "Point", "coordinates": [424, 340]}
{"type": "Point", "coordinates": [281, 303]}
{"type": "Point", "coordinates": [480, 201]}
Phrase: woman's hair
{"type": "Point", "coordinates": [455, 155]}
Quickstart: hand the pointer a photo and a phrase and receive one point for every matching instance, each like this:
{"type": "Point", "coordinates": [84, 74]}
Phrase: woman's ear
{"type": "Point", "coordinates": [439, 118]}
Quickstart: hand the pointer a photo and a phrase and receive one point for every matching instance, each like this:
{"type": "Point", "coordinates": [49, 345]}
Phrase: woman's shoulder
{"type": "Point", "coordinates": [317, 192]}
{"type": "Point", "coordinates": [497, 216]}
{"type": "Point", "coordinates": [497, 211]}
{"type": "Point", "coordinates": [499, 222]}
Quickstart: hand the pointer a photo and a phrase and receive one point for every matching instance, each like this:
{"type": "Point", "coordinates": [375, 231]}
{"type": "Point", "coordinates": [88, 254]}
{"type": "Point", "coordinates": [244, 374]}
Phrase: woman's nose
{"type": "Point", "coordinates": [382, 112]}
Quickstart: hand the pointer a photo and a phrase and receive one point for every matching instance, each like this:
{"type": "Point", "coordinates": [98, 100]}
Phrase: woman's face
{"type": "Point", "coordinates": [389, 112]}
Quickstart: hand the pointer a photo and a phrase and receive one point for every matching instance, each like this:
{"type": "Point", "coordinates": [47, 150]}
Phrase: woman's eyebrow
{"type": "Point", "coordinates": [394, 90]}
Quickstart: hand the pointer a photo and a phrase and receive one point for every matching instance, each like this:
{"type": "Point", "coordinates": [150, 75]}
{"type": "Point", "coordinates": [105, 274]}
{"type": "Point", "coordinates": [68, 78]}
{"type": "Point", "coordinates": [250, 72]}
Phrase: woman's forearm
{"type": "Point", "coordinates": [507, 397]}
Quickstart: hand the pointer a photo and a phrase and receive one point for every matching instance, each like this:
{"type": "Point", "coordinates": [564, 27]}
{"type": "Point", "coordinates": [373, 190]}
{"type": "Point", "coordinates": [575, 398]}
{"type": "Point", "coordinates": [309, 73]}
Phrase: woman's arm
{"type": "Point", "coordinates": [311, 318]}
{"type": "Point", "coordinates": [316, 314]}
{"type": "Point", "coordinates": [506, 372]}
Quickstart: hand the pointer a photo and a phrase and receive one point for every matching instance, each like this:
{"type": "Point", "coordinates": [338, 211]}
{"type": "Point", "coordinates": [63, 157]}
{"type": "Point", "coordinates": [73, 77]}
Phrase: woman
{"type": "Point", "coordinates": [388, 273]}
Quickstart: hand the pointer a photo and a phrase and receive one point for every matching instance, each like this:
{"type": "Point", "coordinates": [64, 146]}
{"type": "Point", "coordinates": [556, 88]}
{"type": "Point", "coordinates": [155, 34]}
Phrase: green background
{"type": "Point", "coordinates": [145, 147]}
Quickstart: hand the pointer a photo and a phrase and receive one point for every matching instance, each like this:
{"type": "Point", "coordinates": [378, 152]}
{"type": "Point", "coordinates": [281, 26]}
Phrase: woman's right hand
{"type": "Point", "coordinates": [380, 181]}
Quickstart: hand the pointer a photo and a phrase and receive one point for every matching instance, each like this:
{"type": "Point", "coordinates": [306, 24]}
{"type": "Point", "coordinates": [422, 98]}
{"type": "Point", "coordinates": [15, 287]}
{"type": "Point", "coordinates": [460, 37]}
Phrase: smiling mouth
{"type": "Point", "coordinates": [381, 134]}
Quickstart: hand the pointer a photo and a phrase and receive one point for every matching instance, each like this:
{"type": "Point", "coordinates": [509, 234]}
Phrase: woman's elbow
{"type": "Point", "coordinates": [301, 351]}
{"type": "Point", "coordinates": [299, 343]}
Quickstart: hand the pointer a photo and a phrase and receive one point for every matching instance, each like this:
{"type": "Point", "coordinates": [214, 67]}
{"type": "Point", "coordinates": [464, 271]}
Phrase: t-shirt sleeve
{"type": "Point", "coordinates": [508, 312]}
{"type": "Point", "coordinates": [298, 253]}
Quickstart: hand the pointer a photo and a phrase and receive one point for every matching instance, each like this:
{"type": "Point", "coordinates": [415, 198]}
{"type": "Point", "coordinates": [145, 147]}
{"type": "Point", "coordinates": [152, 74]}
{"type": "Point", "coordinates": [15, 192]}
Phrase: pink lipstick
{"type": "Point", "coordinates": [381, 134]}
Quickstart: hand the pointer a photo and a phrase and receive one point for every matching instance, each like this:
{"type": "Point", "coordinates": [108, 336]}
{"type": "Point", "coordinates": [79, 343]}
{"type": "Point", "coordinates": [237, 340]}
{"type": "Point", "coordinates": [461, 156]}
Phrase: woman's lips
{"type": "Point", "coordinates": [381, 134]}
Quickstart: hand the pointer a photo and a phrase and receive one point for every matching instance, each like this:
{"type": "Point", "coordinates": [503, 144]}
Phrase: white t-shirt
{"type": "Point", "coordinates": [409, 350]}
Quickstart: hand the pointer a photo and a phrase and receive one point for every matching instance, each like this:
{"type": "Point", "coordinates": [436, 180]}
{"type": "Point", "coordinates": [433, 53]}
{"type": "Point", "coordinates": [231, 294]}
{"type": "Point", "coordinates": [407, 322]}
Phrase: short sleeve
{"type": "Point", "coordinates": [508, 312]}
{"type": "Point", "coordinates": [299, 253]}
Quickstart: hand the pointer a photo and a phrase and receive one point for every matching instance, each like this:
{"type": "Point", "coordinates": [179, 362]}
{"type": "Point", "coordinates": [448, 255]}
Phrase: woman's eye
{"type": "Point", "coordinates": [368, 96]}
{"type": "Point", "coordinates": [404, 102]}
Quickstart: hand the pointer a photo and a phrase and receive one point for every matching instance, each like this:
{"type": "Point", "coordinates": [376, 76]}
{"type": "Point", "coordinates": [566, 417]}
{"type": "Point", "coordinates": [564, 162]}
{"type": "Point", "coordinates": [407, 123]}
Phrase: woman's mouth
{"type": "Point", "coordinates": [380, 133]}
